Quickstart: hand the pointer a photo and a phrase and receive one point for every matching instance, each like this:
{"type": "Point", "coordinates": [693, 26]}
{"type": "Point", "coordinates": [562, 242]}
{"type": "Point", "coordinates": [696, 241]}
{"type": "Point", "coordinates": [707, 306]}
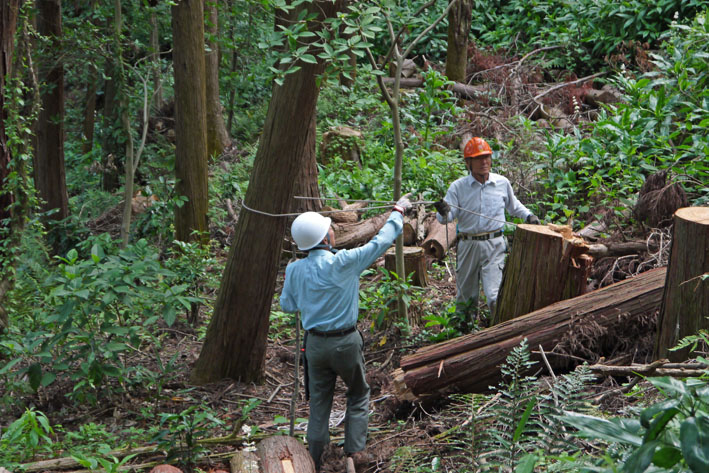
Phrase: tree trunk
{"type": "Point", "coordinates": [235, 344]}
{"type": "Point", "coordinates": [543, 267]}
{"type": "Point", "coordinates": [8, 25]}
{"type": "Point", "coordinates": [458, 30]}
{"type": "Point", "coordinates": [472, 363]}
{"type": "Point", "coordinates": [685, 302]}
{"type": "Point", "coordinates": [155, 53]}
{"type": "Point", "coordinates": [190, 119]}
{"type": "Point", "coordinates": [49, 170]}
{"type": "Point", "coordinates": [414, 262]}
{"type": "Point", "coordinates": [439, 239]}
{"type": "Point", "coordinates": [89, 112]}
{"type": "Point", "coordinates": [111, 166]}
{"type": "Point", "coordinates": [306, 185]}
{"type": "Point", "coordinates": [217, 135]}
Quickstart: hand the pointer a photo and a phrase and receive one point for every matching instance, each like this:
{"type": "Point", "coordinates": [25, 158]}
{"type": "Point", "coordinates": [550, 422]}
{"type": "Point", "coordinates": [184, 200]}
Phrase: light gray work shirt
{"type": "Point", "coordinates": [490, 199]}
{"type": "Point", "coordinates": [324, 287]}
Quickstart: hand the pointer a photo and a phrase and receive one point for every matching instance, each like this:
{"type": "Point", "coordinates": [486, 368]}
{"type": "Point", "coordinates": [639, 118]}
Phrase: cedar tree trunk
{"type": "Point", "coordinates": [235, 344]}
{"type": "Point", "coordinates": [50, 178]}
{"type": "Point", "coordinates": [217, 135]}
{"type": "Point", "coordinates": [190, 118]}
{"type": "Point", "coordinates": [458, 31]}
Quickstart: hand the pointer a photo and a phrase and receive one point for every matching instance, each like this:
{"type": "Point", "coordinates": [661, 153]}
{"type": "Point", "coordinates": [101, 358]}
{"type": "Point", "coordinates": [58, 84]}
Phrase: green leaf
{"type": "Point", "coordinates": [694, 442]}
{"type": "Point", "coordinates": [523, 421]}
{"type": "Point", "coordinates": [169, 314]}
{"type": "Point", "coordinates": [641, 458]}
{"type": "Point", "coordinates": [526, 463]}
{"type": "Point", "coordinates": [614, 430]}
{"type": "Point", "coordinates": [34, 373]}
{"type": "Point", "coordinates": [666, 457]}
{"type": "Point", "coordinates": [309, 58]}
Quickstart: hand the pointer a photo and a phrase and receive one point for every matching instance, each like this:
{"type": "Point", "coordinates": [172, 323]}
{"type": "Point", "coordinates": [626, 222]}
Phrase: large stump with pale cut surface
{"type": "Point", "coordinates": [685, 302]}
{"type": "Point", "coordinates": [547, 264]}
{"type": "Point", "coordinates": [439, 239]}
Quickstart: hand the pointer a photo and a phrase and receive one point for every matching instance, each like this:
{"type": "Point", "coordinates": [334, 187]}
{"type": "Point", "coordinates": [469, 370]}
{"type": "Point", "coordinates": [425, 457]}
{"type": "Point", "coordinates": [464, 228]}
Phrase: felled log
{"type": "Point", "coordinates": [620, 248]}
{"type": "Point", "coordinates": [275, 454]}
{"type": "Point", "coordinates": [463, 90]}
{"type": "Point", "coordinates": [349, 235]}
{"type": "Point", "coordinates": [472, 363]}
{"type": "Point", "coordinates": [347, 213]}
{"type": "Point", "coordinates": [685, 301]}
{"type": "Point", "coordinates": [439, 239]}
{"type": "Point", "coordinates": [675, 370]}
{"type": "Point", "coordinates": [547, 264]}
{"type": "Point", "coordinates": [414, 262]}
{"type": "Point", "coordinates": [410, 231]}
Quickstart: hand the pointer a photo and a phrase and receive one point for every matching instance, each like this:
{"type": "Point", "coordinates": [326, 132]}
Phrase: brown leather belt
{"type": "Point", "coordinates": [487, 236]}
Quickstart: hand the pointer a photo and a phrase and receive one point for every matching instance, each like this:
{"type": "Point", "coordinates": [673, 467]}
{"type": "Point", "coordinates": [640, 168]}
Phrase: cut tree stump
{"type": "Point", "coordinates": [547, 264]}
{"type": "Point", "coordinates": [437, 242]}
{"type": "Point", "coordinates": [685, 303]}
{"type": "Point", "coordinates": [472, 363]}
{"type": "Point", "coordinates": [414, 262]}
{"type": "Point", "coordinates": [277, 454]}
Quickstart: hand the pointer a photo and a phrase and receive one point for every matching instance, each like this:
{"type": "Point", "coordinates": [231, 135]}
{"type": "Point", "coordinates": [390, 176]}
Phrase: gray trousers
{"type": "Point", "coordinates": [478, 260]}
{"type": "Point", "coordinates": [328, 358]}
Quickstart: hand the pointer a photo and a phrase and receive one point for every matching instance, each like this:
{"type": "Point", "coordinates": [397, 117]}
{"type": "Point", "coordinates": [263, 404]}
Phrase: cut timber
{"type": "Point", "coordinates": [414, 262]}
{"type": "Point", "coordinates": [546, 265]}
{"type": "Point", "coordinates": [410, 231]}
{"type": "Point", "coordinates": [472, 363]}
{"type": "Point", "coordinates": [621, 248]}
{"type": "Point", "coordinates": [282, 454]}
{"type": "Point", "coordinates": [685, 303]}
{"type": "Point", "coordinates": [349, 235]}
{"type": "Point", "coordinates": [439, 239]}
{"type": "Point", "coordinates": [348, 213]}
{"type": "Point", "coordinates": [244, 462]}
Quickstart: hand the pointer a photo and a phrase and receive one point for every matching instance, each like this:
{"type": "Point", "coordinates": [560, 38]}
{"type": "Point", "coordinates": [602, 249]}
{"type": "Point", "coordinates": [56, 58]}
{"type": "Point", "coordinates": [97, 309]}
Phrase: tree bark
{"type": "Point", "coordinates": [50, 178]}
{"type": "Point", "coordinates": [686, 297]}
{"type": "Point", "coordinates": [8, 26]}
{"type": "Point", "coordinates": [217, 135]}
{"type": "Point", "coordinates": [471, 363]}
{"type": "Point", "coordinates": [235, 344]}
{"type": "Point", "coordinates": [190, 118]}
{"type": "Point", "coordinates": [458, 30]}
{"type": "Point", "coordinates": [543, 267]}
{"type": "Point", "coordinates": [306, 185]}
{"type": "Point", "coordinates": [111, 166]}
{"type": "Point", "coordinates": [89, 111]}
{"type": "Point", "coordinates": [439, 239]}
{"type": "Point", "coordinates": [281, 454]}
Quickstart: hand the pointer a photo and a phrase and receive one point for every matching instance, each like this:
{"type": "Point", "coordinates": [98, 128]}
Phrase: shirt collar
{"type": "Point", "coordinates": [493, 179]}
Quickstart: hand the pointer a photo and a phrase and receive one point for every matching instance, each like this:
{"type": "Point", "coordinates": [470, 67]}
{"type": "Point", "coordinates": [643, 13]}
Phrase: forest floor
{"type": "Point", "coordinates": [399, 431]}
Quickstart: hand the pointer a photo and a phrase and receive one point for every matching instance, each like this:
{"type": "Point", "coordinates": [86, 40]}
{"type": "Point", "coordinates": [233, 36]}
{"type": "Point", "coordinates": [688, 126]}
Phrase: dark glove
{"type": "Point", "coordinates": [533, 219]}
{"type": "Point", "coordinates": [442, 207]}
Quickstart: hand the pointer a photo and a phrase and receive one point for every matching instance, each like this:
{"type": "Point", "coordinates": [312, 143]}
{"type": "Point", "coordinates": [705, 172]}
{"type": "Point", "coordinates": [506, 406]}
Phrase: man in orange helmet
{"type": "Point", "coordinates": [479, 201]}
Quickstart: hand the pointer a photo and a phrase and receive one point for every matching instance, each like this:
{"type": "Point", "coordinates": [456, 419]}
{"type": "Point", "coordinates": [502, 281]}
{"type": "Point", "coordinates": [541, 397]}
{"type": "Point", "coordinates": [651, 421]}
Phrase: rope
{"type": "Point", "coordinates": [323, 212]}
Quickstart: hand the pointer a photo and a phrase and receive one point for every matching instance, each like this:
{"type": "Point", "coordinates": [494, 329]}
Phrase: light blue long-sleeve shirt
{"type": "Point", "coordinates": [324, 287]}
{"type": "Point", "coordinates": [490, 199]}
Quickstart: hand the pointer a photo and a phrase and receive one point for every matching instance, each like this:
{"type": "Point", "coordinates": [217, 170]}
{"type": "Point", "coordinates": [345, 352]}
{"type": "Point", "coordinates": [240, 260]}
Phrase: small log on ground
{"type": "Point", "coordinates": [349, 235]}
{"type": "Point", "coordinates": [244, 462]}
{"type": "Point", "coordinates": [620, 248]}
{"type": "Point", "coordinates": [661, 368]}
{"type": "Point", "coordinates": [347, 214]}
{"type": "Point", "coordinates": [439, 239]}
{"type": "Point", "coordinates": [685, 303]}
{"type": "Point", "coordinates": [414, 262]}
{"type": "Point", "coordinates": [472, 363]}
{"type": "Point", "coordinates": [465, 91]}
{"type": "Point", "coordinates": [283, 454]}
{"type": "Point", "coordinates": [546, 265]}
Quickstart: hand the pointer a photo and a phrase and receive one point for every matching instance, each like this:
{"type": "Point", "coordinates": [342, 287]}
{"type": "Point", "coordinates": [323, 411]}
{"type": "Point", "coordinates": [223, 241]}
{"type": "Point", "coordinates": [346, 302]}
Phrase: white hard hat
{"type": "Point", "coordinates": [309, 229]}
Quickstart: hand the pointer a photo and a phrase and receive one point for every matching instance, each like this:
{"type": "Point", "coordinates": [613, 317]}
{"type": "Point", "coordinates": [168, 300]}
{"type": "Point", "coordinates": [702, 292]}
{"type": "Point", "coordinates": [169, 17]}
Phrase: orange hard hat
{"type": "Point", "coordinates": [476, 147]}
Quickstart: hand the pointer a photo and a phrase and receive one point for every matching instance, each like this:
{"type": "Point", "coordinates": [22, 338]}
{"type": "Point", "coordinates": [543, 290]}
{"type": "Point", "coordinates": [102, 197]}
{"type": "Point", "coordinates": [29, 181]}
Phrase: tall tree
{"type": "Point", "coordinates": [8, 24]}
{"type": "Point", "coordinates": [190, 117]}
{"type": "Point", "coordinates": [217, 135]}
{"type": "Point", "coordinates": [49, 170]}
{"type": "Point", "coordinates": [235, 344]}
{"type": "Point", "coordinates": [459, 18]}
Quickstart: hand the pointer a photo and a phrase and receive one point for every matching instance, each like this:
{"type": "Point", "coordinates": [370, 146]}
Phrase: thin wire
{"type": "Point", "coordinates": [333, 198]}
{"type": "Point", "coordinates": [323, 212]}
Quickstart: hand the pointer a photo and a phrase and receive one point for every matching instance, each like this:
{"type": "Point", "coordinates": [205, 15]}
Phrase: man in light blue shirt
{"type": "Point", "coordinates": [324, 287]}
{"type": "Point", "coordinates": [478, 201]}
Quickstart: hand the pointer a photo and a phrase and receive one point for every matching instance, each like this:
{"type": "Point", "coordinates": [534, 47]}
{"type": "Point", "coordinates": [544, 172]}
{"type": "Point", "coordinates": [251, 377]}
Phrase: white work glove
{"type": "Point", "coordinates": [403, 205]}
